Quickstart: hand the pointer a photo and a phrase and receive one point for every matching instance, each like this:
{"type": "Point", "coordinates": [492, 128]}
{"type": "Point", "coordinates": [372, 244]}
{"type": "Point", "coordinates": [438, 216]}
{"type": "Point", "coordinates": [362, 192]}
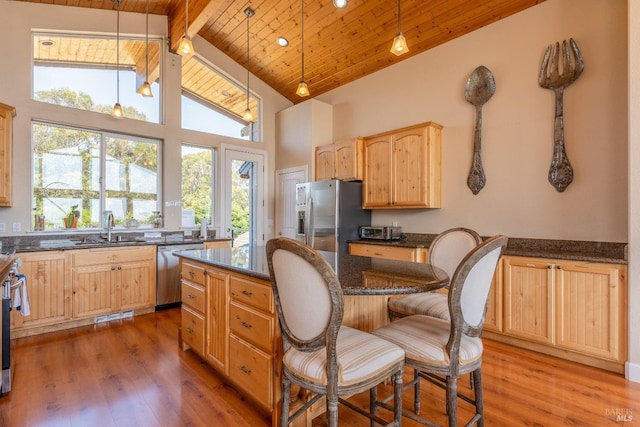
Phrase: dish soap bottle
{"type": "Point", "coordinates": [203, 228]}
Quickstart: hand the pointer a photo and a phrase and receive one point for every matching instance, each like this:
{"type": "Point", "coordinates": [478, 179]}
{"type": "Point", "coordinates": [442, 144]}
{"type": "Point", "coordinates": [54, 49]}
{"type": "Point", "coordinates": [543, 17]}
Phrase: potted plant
{"type": "Point", "coordinates": [71, 220]}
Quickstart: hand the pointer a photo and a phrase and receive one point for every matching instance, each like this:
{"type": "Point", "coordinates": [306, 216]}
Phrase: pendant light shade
{"type": "Point", "coordinates": [248, 115]}
{"type": "Point", "coordinates": [340, 4]}
{"type": "Point", "coordinates": [303, 89]}
{"type": "Point", "coordinates": [145, 89]}
{"type": "Point", "coordinates": [399, 46]}
{"type": "Point", "coordinates": [117, 108]}
{"type": "Point", "coordinates": [185, 48]}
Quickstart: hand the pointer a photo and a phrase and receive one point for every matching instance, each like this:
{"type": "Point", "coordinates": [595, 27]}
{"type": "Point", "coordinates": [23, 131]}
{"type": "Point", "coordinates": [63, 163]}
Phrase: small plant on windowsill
{"type": "Point", "coordinates": [71, 220]}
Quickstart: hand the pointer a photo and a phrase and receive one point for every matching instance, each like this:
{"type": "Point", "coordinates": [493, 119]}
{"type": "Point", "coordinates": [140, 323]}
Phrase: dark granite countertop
{"type": "Point", "coordinates": [120, 238]}
{"type": "Point", "coordinates": [576, 250]}
{"type": "Point", "coordinates": [358, 275]}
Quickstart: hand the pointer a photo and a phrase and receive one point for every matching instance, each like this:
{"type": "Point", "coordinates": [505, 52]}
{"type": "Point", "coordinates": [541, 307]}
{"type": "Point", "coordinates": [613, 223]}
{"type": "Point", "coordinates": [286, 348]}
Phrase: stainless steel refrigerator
{"type": "Point", "coordinates": [329, 213]}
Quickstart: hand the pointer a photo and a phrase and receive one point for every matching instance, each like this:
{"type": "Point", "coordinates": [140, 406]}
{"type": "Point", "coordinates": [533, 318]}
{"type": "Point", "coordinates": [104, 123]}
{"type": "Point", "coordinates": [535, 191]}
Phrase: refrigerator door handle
{"type": "Point", "coordinates": [310, 223]}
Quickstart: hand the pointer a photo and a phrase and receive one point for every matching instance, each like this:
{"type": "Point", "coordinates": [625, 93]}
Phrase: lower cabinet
{"type": "Point", "coordinates": [400, 253]}
{"type": "Point", "coordinates": [573, 310]}
{"type": "Point", "coordinates": [68, 288]}
{"type": "Point", "coordinates": [242, 337]}
{"type": "Point", "coordinates": [49, 289]}
{"type": "Point", "coordinates": [110, 280]}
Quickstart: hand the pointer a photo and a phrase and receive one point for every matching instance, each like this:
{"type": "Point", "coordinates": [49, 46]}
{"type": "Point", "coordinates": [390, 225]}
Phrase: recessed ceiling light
{"type": "Point", "coordinates": [282, 41]}
{"type": "Point", "coordinates": [340, 4]}
{"type": "Point", "coordinates": [47, 42]}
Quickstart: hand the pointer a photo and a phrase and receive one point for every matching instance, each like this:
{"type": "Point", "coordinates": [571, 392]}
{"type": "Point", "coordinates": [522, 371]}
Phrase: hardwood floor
{"type": "Point", "coordinates": [133, 373]}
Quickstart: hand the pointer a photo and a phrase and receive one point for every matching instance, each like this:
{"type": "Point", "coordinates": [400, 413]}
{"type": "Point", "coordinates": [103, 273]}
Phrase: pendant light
{"type": "Point", "coordinates": [302, 90]}
{"type": "Point", "coordinates": [117, 109]}
{"type": "Point", "coordinates": [248, 115]}
{"type": "Point", "coordinates": [399, 45]}
{"type": "Point", "coordinates": [186, 46]}
{"type": "Point", "coordinates": [145, 89]}
{"type": "Point", "coordinates": [340, 4]}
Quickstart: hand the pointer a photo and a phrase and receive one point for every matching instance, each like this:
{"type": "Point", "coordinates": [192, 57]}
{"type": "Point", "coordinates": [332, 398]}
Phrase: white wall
{"type": "Point", "coordinates": [17, 19]}
{"type": "Point", "coordinates": [518, 124]}
{"type": "Point", "coordinates": [633, 302]}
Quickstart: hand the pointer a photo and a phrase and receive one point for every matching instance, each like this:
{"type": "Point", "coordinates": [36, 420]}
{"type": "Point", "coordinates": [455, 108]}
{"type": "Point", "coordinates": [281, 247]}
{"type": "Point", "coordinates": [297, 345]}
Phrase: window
{"type": "Point", "coordinates": [80, 71]}
{"type": "Point", "coordinates": [197, 182]}
{"type": "Point", "coordinates": [212, 102]}
{"type": "Point", "coordinates": [88, 172]}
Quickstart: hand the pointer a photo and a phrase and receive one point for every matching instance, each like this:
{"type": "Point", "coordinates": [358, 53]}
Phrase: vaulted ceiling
{"type": "Point", "coordinates": [340, 45]}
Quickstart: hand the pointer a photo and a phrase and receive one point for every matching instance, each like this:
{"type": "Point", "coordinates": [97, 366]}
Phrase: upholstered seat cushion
{"type": "Point", "coordinates": [424, 339]}
{"type": "Point", "coordinates": [360, 356]}
{"type": "Point", "coordinates": [427, 303]}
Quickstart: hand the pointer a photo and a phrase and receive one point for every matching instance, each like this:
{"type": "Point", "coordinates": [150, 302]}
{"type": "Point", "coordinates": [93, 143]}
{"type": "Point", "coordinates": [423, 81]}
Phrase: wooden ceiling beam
{"type": "Point", "coordinates": [200, 11]}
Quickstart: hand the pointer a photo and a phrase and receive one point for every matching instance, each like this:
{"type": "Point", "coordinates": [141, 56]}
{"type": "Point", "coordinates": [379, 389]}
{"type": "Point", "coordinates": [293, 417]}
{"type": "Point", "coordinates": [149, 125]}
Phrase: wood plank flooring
{"type": "Point", "coordinates": [133, 373]}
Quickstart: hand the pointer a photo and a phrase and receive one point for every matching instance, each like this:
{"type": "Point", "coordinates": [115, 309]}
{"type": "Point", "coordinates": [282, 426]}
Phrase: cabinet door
{"type": "Point", "coordinates": [528, 287]}
{"type": "Point", "coordinates": [217, 334]}
{"type": "Point", "coordinates": [348, 159]}
{"type": "Point", "coordinates": [6, 142]}
{"type": "Point", "coordinates": [590, 316]}
{"type": "Point", "coordinates": [93, 293]}
{"type": "Point", "coordinates": [377, 172]}
{"type": "Point", "coordinates": [136, 284]}
{"type": "Point", "coordinates": [409, 171]}
{"type": "Point", "coordinates": [325, 165]}
{"type": "Point", "coordinates": [493, 316]}
{"type": "Point", "coordinates": [48, 287]}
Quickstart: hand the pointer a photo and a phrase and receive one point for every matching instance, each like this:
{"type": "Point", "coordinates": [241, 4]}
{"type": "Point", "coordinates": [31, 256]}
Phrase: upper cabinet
{"type": "Point", "coordinates": [340, 160]}
{"type": "Point", "coordinates": [402, 168]}
{"type": "Point", "coordinates": [7, 113]}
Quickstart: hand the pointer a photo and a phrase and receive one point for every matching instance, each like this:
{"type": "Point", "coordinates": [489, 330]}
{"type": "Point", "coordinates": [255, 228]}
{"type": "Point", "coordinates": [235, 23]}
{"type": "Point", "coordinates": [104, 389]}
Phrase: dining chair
{"type": "Point", "coordinates": [319, 353]}
{"type": "Point", "coordinates": [446, 251]}
{"type": "Point", "coordinates": [441, 350]}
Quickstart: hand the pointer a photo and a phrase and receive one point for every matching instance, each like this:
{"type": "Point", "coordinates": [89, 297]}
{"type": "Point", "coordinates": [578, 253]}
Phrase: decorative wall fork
{"type": "Point", "coordinates": [550, 77]}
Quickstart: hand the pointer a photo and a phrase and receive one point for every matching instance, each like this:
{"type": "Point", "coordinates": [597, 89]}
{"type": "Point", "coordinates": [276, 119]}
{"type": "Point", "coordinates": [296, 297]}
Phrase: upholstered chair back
{"type": "Point", "coordinates": [450, 247]}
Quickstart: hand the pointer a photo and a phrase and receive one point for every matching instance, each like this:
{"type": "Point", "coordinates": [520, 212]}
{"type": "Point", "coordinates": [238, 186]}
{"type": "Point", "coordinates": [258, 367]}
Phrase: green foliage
{"type": "Point", "coordinates": [196, 183]}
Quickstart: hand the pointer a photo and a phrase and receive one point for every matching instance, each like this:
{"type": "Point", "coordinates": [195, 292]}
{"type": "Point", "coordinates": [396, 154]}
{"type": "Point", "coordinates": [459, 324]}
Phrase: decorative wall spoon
{"type": "Point", "coordinates": [480, 88]}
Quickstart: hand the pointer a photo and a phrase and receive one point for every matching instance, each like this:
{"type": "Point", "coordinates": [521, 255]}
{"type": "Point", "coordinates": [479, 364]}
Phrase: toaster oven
{"type": "Point", "coordinates": [381, 233]}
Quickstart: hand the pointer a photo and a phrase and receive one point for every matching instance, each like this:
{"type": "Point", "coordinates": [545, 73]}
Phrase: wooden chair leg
{"type": "Point", "coordinates": [477, 394]}
{"type": "Point", "coordinates": [373, 407]}
{"type": "Point", "coordinates": [332, 411]}
{"type": "Point", "coordinates": [286, 389]}
{"type": "Point", "coordinates": [452, 403]}
{"type": "Point", "coordinates": [397, 398]}
{"type": "Point", "coordinates": [416, 391]}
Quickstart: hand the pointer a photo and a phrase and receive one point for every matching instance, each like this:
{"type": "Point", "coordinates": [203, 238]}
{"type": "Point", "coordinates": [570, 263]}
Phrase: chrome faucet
{"type": "Point", "coordinates": [109, 223]}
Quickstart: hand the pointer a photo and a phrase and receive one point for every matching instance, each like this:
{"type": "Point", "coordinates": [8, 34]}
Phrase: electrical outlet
{"type": "Point", "coordinates": [17, 227]}
{"type": "Point", "coordinates": [3, 227]}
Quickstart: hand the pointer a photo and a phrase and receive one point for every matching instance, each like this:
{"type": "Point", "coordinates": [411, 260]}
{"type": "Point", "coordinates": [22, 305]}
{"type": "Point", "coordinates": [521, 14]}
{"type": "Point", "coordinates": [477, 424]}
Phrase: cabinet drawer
{"type": "Point", "coordinates": [252, 326]}
{"type": "Point", "coordinates": [192, 272]}
{"type": "Point", "coordinates": [252, 370]}
{"type": "Point", "coordinates": [193, 330]}
{"type": "Point", "coordinates": [387, 252]}
{"type": "Point", "coordinates": [100, 256]}
{"type": "Point", "coordinates": [193, 296]}
{"type": "Point", "coordinates": [255, 294]}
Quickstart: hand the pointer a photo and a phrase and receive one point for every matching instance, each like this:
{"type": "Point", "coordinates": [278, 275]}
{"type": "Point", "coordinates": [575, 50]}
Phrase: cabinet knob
{"type": "Point", "coordinates": [112, 268]}
{"type": "Point", "coordinates": [191, 274]}
{"type": "Point", "coordinates": [549, 266]}
{"type": "Point", "coordinates": [119, 267]}
{"type": "Point", "coordinates": [190, 296]}
{"type": "Point", "coordinates": [246, 325]}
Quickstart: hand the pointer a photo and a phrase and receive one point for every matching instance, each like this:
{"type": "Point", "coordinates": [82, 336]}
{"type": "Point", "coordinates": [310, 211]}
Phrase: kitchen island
{"type": "Point", "coordinates": [229, 317]}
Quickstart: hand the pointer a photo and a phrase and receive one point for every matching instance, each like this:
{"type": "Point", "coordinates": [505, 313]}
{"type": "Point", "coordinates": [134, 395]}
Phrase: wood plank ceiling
{"type": "Point", "coordinates": [340, 45]}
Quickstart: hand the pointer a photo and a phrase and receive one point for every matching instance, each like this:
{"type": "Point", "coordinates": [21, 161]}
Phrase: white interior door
{"type": "Point", "coordinates": [243, 186]}
{"type": "Point", "coordinates": [286, 180]}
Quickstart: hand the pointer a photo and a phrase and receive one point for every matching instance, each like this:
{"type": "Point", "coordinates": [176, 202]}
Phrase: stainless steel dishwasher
{"type": "Point", "coordinates": [168, 274]}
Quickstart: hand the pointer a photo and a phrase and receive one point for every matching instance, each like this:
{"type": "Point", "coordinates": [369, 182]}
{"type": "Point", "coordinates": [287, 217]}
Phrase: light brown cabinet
{"type": "Point", "coordinates": [108, 280]}
{"type": "Point", "coordinates": [7, 113]}
{"type": "Point", "coordinates": [569, 309]}
{"type": "Point", "coordinates": [242, 335]}
{"type": "Point", "coordinates": [400, 253]}
{"type": "Point", "coordinates": [68, 288]}
{"type": "Point", "coordinates": [340, 160]}
{"type": "Point", "coordinates": [402, 168]}
{"type": "Point", "coordinates": [49, 289]}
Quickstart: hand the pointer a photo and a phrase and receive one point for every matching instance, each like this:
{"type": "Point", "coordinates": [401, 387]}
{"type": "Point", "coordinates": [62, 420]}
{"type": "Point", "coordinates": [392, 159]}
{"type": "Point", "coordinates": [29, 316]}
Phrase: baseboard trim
{"type": "Point", "coordinates": [632, 372]}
